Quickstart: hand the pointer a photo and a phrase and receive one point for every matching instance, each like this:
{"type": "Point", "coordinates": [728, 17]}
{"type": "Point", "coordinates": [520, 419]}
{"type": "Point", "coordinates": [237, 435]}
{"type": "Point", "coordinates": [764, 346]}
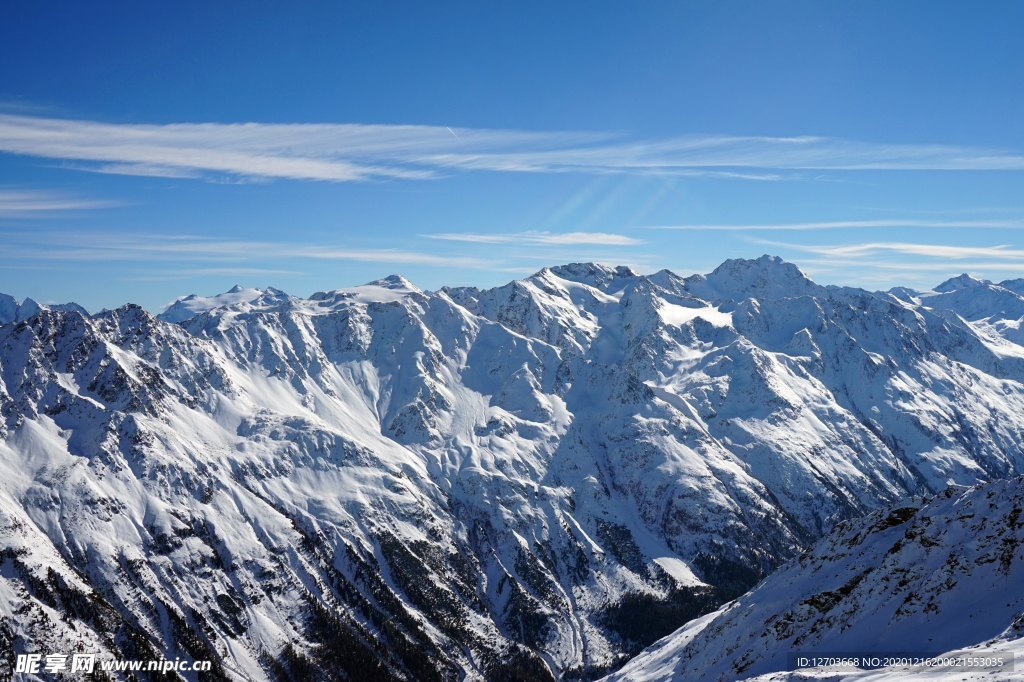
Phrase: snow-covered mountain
{"type": "Point", "coordinates": [13, 311]}
{"type": "Point", "coordinates": [526, 482]}
{"type": "Point", "coordinates": [189, 306]}
{"type": "Point", "coordinates": [933, 575]}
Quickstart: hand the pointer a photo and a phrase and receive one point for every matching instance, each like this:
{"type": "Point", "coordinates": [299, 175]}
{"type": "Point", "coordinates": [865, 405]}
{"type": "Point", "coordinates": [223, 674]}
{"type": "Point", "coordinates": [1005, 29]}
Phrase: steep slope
{"type": "Point", "coordinates": [934, 575]}
{"type": "Point", "coordinates": [532, 481]}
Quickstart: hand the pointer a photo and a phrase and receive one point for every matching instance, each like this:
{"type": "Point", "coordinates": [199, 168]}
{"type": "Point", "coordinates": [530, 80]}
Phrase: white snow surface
{"type": "Point", "coordinates": [680, 315]}
{"type": "Point", "coordinates": [473, 476]}
{"type": "Point", "coordinates": [662, 660]}
{"type": "Point", "coordinates": [189, 306]}
{"type": "Point", "coordinates": [680, 572]}
{"type": "Point", "coordinates": [938, 575]}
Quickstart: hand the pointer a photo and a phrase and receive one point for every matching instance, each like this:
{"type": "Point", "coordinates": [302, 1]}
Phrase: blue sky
{"type": "Point", "coordinates": [150, 152]}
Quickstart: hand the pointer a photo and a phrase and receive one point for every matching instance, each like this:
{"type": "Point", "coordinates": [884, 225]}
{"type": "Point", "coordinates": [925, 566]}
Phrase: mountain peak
{"type": "Point", "coordinates": [387, 289]}
{"type": "Point", "coordinates": [765, 264]}
{"type": "Point", "coordinates": [393, 282]}
{"type": "Point", "coordinates": [8, 308]}
{"type": "Point", "coordinates": [765, 277]}
{"type": "Point", "coordinates": [29, 308]}
{"type": "Point", "coordinates": [12, 311]}
{"type": "Point", "coordinates": [964, 281]}
{"type": "Point", "coordinates": [189, 306]}
{"type": "Point", "coordinates": [593, 274]}
{"type": "Point", "coordinates": [1014, 285]}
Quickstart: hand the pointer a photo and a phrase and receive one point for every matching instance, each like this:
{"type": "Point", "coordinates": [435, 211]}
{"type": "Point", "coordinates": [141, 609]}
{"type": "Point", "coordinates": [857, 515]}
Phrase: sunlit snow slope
{"type": "Point", "coordinates": [527, 482]}
{"type": "Point", "coordinates": [937, 575]}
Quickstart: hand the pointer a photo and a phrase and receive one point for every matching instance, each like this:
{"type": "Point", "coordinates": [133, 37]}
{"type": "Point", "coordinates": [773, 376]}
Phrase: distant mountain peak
{"type": "Point", "coordinates": [963, 281]}
{"type": "Point", "coordinates": [12, 311]}
{"type": "Point", "coordinates": [745, 267]}
{"type": "Point", "coordinates": [592, 274]}
{"type": "Point", "coordinates": [384, 290]}
{"type": "Point", "coordinates": [393, 282]}
{"type": "Point", "coordinates": [8, 308]}
{"type": "Point", "coordinates": [193, 304]}
{"type": "Point", "coordinates": [766, 277]}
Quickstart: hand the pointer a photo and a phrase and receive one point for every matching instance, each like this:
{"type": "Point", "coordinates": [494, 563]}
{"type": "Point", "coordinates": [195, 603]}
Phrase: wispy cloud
{"type": "Point", "coordinates": [98, 247]}
{"type": "Point", "coordinates": [390, 256]}
{"type": "Point", "coordinates": [22, 203]}
{"type": "Point", "coordinates": [983, 269]}
{"type": "Point", "coordinates": [905, 263]}
{"type": "Point", "coordinates": [954, 252]}
{"type": "Point", "coordinates": [540, 238]}
{"type": "Point", "coordinates": [845, 224]}
{"type": "Point", "coordinates": [188, 273]}
{"type": "Point", "coordinates": [346, 152]}
{"type": "Point", "coordinates": [333, 152]}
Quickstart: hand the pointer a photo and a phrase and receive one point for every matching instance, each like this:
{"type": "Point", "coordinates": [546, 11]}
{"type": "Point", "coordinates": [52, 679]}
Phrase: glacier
{"type": "Point", "coordinates": [535, 481]}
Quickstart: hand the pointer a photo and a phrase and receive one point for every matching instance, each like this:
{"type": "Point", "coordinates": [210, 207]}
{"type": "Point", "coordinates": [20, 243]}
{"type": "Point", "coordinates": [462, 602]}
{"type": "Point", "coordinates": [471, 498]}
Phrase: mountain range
{"type": "Point", "coordinates": [535, 481]}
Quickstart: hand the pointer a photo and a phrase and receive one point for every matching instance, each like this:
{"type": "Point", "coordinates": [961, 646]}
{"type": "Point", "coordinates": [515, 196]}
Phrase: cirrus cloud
{"type": "Point", "coordinates": [23, 203]}
{"type": "Point", "coordinates": [351, 152]}
{"type": "Point", "coordinates": [540, 238]}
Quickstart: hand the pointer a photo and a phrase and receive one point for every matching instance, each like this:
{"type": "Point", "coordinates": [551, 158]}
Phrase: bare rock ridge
{"type": "Point", "coordinates": [534, 481]}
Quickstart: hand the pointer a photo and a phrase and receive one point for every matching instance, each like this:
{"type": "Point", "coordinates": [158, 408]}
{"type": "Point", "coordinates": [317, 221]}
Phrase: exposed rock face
{"type": "Point", "coordinates": [532, 481]}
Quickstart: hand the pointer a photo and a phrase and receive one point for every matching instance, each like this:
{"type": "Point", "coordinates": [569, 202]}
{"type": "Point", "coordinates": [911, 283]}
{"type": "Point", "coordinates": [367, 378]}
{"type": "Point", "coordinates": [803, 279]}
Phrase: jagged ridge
{"type": "Point", "coordinates": [533, 480]}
